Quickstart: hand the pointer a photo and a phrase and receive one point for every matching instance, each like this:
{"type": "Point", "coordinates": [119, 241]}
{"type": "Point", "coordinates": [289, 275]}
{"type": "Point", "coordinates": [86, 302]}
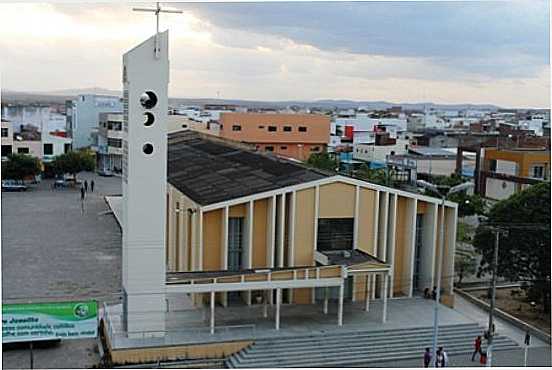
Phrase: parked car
{"type": "Point", "coordinates": [13, 185]}
{"type": "Point", "coordinates": [105, 173]}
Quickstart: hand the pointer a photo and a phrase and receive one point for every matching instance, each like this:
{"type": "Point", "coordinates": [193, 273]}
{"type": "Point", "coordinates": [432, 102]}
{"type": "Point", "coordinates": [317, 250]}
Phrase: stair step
{"type": "Point", "coordinates": [368, 347]}
{"type": "Point", "coordinates": [360, 348]}
{"type": "Point", "coordinates": [325, 337]}
{"type": "Point", "coordinates": [356, 357]}
{"type": "Point", "coordinates": [356, 337]}
{"type": "Point", "coordinates": [357, 360]}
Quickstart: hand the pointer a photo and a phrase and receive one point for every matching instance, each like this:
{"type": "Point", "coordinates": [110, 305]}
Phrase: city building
{"type": "Point", "coordinates": [508, 171]}
{"type": "Point", "coordinates": [235, 215]}
{"type": "Point", "coordinates": [109, 152]}
{"type": "Point", "coordinates": [85, 117]}
{"type": "Point", "coordinates": [291, 135]}
{"type": "Point", "coordinates": [42, 145]}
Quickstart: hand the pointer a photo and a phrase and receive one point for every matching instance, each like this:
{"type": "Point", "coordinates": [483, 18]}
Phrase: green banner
{"type": "Point", "coordinates": [44, 321]}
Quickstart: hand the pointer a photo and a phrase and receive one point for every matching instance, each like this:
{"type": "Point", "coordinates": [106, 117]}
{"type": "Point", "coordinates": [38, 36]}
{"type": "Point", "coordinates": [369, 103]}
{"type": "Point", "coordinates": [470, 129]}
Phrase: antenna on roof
{"type": "Point", "coordinates": [157, 10]}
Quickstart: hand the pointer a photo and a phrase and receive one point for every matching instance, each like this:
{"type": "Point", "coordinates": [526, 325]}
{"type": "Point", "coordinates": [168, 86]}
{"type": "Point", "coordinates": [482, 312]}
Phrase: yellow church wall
{"type": "Point", "coordinates": [401, 237]}
{"type": "Point", "coordinates": [304, 238]}
{"type": "Point", "coordinates": [260, 208]}
{"type": "Point", "coordinates": [366, 212]}
{"type": "Point", "coordinates": [212, 240]}
{"type": "Point", "coordinates": [337, 200]}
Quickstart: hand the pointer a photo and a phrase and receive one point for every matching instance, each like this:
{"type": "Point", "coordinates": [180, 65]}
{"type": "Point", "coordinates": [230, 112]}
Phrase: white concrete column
{"type": "Point", "coordinates": [384, 296]}
{"type": "Point", "coordinates": [278, 302]}
{"type": "Point", "coordinates": [291, 241]}
{"type": "Point", "coordinates": [368, 278]}
{"type": "Point", "coordinates": [281, 230]}
{"type": "Point", "coordinates": [392, 238]}
{"type": "Point", "coordinates": [384, 216]}
{"type": "Point", "coordinates": [355, 220]}
{"type": "Point", "coordinates": [249, 244]}
{"type": "Point", "coordinates": [316, 213]}
{"type": "Point", "coordinates": [265, 303]}
{"type": "Point", "coordinates": [326, 294]}
{"type": "Point", "coordinates": [193, 242]}
{"type": "Point", "coordinates": [271, 232]}
{"type": "Point", "coordinates": [373, 284]}
{"type": "Point", "coordinates": [340, 305]}
{"type": "Point", "coordinates": [212, 312]}
{"type": "Point", "coordinates": [225, 213]}
{"type": "Point", "coordinates": [200, 238]}
{"type": "Point", "coordinates": [376, 225]}
{"type": "Point", "coordinates": [413, 207]}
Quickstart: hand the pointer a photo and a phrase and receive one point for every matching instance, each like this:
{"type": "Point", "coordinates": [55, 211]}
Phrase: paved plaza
{"type": "Point", "coordinates": [52, 251]}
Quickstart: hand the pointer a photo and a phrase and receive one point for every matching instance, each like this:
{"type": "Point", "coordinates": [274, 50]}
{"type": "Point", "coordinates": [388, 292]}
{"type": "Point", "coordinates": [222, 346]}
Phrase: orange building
{"type": "Point", "coordinates": [290, 135]}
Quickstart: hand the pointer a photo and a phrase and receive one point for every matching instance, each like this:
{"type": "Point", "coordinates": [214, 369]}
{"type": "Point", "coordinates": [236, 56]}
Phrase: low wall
{"type": "Point", "coordinates": [506, 316]}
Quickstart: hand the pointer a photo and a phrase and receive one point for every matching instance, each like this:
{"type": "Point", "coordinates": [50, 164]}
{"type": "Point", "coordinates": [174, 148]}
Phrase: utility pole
{"type": "Point", "coordinates": [490, 332]}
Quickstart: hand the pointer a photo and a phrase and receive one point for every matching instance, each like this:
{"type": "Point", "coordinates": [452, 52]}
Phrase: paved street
{"type": "Point", "coordinates": [51, 250]}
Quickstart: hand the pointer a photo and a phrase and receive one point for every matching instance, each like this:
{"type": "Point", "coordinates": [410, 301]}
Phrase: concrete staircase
{"type": "Point", "coordinates": [358, 348]}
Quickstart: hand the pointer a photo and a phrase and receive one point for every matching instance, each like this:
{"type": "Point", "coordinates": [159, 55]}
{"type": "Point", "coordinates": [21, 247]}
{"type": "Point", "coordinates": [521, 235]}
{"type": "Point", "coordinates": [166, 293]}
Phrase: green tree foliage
{"type": "Point", "coordinates": [464, 265]}
{"type": "Point", "coordinates": [377, 176]}
{"type": "Point", "coordinates": [20, 166]}
{"type": "Point", "coordinates": [524, 254]}
{"type": "Point", "coordinates": [468, 204]}
{"type": "Point", "coordinates": [322, 161]}
{"type": "Point", "coordinates": [73, 162]}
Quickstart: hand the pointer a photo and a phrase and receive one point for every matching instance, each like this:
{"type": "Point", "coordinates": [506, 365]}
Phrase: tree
{"type": "Point", "coordinates": [464, 265]}
{"type": "Point", "coordinates": [379, 176]}
{"type": "Point", "coordinates": [322, 161]}
{"type": "Point", "coordinates": [524, 254]}
{"type": "Point", "coordinates": [20, 166]}
{"type": "Point", "coordinates": [73, 162]}
{"type": "Point", "coordinates": [468, 204]}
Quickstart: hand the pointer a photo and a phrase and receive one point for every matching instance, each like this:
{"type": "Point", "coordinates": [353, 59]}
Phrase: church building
{"type": "Point", "coordinates": [248, 228]}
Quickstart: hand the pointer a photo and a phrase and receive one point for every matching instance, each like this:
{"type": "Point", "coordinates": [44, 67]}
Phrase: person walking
{"type": "Point", "coordinates": [82, 198]}
{"type": "Point", "coordinates": [427, 357]}
{"type": "Point", "coordinates": [444, 361]}
{"type": "Point", "coordinates": [85, 186]}
{"type": "Point", "coordinates": [434, 293]}
{"type": "Point", "coordinates": [92, 186]}
{"type": "Point", "coordinates": [476, 347]}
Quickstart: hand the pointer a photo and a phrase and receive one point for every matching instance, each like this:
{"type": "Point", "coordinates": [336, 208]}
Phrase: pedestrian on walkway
{"type": "Point", "coordinates": [476, 347]}
{"type": "Point", "coordinates": [434, 293]}
{"type": "Point", "coordinates": [427, 357]}
{"type": "Point", "coordinates": [92, 186]}
{"type": "Point", "coordinates": [441, 360]}
{"type": "Point", "coordinates": [85, 186]}
{"type": "Point", "coordinates": [82, 199]}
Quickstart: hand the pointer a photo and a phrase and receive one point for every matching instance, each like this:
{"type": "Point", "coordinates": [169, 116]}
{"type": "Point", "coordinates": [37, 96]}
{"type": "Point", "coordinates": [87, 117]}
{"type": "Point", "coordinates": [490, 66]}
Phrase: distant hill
{"type": "Point", "coordinates": [59, 96]}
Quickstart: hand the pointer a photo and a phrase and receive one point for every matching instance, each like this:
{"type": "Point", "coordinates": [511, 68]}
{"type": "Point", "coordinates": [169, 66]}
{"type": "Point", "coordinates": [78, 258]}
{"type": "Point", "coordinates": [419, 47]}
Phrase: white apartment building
{"type": "Point", "coordinates": [110, 142]}
{"type": "Point", "coordinates": [378, 153]}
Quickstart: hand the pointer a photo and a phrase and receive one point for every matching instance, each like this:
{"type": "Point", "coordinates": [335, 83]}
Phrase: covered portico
{"type": "Point", "coordinates": [275, 279]}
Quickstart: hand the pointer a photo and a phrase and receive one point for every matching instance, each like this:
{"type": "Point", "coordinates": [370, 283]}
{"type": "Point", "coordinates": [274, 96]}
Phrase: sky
{"type": "Point", "coordinates": [486, 52]}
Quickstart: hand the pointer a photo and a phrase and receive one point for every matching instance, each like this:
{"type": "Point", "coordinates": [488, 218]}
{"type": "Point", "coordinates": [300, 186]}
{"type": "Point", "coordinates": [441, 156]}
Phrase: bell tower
{"type": "Point", "coordinates": [145, 109]}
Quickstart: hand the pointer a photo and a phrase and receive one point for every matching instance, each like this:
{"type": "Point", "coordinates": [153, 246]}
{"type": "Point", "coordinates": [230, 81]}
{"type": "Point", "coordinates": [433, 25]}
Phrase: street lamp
{"type": "Point", "coordinates": [443, 191]}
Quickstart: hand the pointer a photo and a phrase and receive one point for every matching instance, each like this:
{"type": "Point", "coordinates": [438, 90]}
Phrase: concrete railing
{"type": "Point", "coordinates": [506, 316]}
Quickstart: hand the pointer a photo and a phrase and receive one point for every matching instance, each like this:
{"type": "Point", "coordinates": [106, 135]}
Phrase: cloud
{"type": "Point", "coordinates": [478, 53]}
{"type": "Point", "coordinates": [448, 33]}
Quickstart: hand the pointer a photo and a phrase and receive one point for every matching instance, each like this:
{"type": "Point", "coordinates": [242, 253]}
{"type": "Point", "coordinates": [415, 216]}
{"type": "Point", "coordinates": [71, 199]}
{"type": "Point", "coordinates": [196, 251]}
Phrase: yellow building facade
{"type": "Point", "coordinates": [363, 226]}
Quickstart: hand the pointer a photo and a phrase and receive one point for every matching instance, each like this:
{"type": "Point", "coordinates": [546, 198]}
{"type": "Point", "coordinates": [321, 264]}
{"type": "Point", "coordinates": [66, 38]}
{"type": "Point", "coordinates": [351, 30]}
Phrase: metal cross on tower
{"type": "Point", "coordinates": [157, 10]}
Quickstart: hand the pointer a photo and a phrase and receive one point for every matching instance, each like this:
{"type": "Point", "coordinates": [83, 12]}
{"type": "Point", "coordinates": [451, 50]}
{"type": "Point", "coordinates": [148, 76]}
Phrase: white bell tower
{"type": "Point", "coordinates": [145, 81]}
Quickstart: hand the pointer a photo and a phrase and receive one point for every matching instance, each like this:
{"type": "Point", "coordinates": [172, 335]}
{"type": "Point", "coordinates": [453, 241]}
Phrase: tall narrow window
{"type": "Point", "coordinates": [235, 243]}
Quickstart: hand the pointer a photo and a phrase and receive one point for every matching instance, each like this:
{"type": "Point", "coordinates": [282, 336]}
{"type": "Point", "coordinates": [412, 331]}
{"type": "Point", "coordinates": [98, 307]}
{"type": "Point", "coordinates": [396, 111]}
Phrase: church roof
{"type": "Point", "coordinates": [209, 170]}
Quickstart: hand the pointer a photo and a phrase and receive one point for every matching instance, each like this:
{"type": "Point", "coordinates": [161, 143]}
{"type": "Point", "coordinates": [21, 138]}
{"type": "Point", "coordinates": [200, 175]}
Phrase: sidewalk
{"type": "Point", "coordinates": [481, 316]}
